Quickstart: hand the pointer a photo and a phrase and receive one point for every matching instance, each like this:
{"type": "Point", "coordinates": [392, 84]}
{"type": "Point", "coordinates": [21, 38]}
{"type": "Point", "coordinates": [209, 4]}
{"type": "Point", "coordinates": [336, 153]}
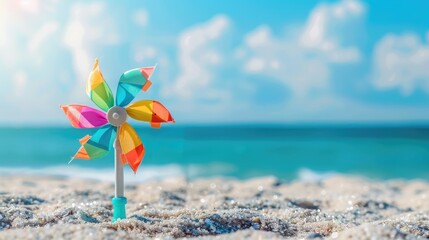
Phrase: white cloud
{"type": "Point", "coordinates": [3, 25]}
{"type": "Point", "coordinates": [20, 83]}
{"type": "Point", "coordinates": [41, 35]}
{"type": "Point", "coordinates": [326, 27]}
{"type": "Point", "coordinates": [198, 56]}
{"type": "Point", "coordinates": [301, 65]}
{"type": "Point", "coordinates": [284, 61]}
{"type": "Point", "coordinates": [145, 53]}
{"type": "Point", "coordinates": [30, 6]}
{"type": "Point", "coordinates": [28, 37]}
{"type": "Point", "coordinates": [141, 17]}
{"type": "Point", "coordinates": [89, 26]}
{"type": "Point", "coordinates": [401, 61]}
{"type": "Point", "coordinates": [21, 17]}
{"type": "Point", "coordinates": [302, 62]}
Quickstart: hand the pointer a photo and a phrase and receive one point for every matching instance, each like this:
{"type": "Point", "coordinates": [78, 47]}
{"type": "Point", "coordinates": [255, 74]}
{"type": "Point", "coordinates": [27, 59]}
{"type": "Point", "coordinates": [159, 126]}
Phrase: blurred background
{"type": "Point", "coordinates": [293, 89]}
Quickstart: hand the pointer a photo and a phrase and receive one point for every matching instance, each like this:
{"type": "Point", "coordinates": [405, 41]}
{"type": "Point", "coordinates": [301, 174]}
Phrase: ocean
{"type": "Point", "coordinates": [238, 151]}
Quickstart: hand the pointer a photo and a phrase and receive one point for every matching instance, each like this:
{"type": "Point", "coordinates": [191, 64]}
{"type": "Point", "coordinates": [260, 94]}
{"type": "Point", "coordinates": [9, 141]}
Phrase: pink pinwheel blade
{"type": "Point", "coordinates": [82, 116]}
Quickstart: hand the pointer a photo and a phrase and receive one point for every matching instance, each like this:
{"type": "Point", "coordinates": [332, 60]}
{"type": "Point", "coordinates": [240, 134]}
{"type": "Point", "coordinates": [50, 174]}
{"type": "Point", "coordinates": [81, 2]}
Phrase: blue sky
{"type": "Point", "coordinates": [222, 61]}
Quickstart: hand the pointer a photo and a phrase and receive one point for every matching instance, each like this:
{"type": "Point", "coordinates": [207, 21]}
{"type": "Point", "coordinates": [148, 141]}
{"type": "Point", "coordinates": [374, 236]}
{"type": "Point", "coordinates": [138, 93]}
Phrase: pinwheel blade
{"type": "Point", "coordinates": [131, 146]}
{"type": "Point", "coordinates": [131, 83]}
{"type": "Point", "coordinates": [82, 116]}
{"type": "Point", "coordinates": [98, 90]}
{"type": "Point", "coordinates": [97, 145]}
{"type": "Point", "coordinates": [149, 111]}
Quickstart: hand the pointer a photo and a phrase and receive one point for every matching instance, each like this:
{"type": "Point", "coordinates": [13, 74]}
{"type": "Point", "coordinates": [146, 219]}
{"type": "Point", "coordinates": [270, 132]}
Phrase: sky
{"type": "Point", "coordinates": [242, 61]}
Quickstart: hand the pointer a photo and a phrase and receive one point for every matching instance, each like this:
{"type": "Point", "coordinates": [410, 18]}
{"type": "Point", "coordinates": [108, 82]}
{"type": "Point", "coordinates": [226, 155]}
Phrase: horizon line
{"type": "Point", "coordinates": [381, 124]}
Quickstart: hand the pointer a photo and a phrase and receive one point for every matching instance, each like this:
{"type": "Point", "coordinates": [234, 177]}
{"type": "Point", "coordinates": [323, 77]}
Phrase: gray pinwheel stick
{"type": "Point", "coordinates": [118, 116]}
{"type": "Point", "coordinates": [119, 170]}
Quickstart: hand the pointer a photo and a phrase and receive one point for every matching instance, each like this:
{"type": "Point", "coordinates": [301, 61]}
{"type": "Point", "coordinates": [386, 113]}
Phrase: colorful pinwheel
{"type": "Point", "coordinates": [112, 123]}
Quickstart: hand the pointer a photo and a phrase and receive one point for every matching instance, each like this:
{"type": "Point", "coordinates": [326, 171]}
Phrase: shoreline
{"type": "Point", "coordinates": [337, 207]}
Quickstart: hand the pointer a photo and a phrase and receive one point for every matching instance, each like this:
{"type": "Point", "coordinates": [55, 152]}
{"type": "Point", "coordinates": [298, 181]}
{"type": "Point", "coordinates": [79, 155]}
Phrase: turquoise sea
{"type": "Point", "coordinates": [287, 152]}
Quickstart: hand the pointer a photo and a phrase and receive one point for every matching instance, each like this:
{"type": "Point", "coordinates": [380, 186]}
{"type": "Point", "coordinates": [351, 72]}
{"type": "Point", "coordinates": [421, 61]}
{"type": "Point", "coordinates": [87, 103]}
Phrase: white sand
{"type": "Point", "coordinates": [336, 208]}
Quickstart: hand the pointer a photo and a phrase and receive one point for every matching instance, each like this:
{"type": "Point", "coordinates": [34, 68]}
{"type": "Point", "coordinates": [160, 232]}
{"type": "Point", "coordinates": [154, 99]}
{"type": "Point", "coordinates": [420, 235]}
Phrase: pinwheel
{"type": "Point", "coordinates": [113, 129]}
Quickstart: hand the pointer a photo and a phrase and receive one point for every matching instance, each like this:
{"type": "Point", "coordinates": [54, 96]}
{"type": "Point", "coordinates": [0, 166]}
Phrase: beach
{"type": "Point", "coordinates": [337, 207]}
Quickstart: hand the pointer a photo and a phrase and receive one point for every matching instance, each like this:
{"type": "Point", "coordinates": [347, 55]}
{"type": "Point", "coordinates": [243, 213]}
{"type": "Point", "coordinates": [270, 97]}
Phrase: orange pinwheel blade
{"type": "Point", "coordinates": [131, 146]}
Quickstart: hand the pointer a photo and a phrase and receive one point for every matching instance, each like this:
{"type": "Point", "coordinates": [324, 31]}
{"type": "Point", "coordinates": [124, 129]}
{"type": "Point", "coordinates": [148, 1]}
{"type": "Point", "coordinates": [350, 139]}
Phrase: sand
{"type": "Point", "coordinates": [339, 207]}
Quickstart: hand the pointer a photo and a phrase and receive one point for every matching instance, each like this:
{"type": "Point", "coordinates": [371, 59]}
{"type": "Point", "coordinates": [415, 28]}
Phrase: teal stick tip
{"type": "Point", "coordinates": [119, 208]}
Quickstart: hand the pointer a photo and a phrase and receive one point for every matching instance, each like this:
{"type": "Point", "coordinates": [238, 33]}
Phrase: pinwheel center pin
{"type": "Point", "coordinates": [117, 116]}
